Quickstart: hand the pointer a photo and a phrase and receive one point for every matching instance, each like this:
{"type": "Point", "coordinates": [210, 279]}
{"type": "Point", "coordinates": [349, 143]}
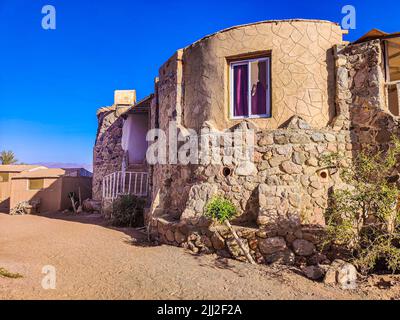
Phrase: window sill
{"type": "Point", "coordinates": [251, 117]}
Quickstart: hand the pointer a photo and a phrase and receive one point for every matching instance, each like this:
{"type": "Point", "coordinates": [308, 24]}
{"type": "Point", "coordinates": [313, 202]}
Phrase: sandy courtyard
{"type": "Point", "coordinates": [93, 261]}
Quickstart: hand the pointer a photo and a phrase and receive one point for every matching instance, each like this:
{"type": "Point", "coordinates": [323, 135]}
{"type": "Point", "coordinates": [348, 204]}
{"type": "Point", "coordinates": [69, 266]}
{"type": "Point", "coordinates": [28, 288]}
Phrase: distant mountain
{"type": "Point", "coordinates": [88, 167]}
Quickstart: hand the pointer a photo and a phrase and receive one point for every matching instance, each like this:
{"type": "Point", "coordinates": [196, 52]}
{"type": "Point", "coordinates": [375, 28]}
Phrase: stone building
{"type": "Point", "coordinates": [295, 84]}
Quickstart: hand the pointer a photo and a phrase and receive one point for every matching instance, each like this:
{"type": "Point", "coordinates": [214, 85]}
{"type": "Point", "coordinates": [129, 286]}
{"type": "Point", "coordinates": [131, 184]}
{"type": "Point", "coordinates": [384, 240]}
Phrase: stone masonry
{"type": "Point", "coordinates": [327, 97]}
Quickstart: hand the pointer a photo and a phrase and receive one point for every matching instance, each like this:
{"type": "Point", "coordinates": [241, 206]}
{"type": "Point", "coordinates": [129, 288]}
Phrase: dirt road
{"type": "Point", "coordinates": [93, 261]}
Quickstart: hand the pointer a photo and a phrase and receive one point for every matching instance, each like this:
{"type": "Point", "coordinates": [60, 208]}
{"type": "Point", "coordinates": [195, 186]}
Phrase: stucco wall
{"type": "Point", "coordinates": [5, 192]}
{"type": "Point", "coordinates": [74, 184]}
{"type": "Point", "coordinates": [49, 197]}
{"type": "Point", "coordinates": [302, 72]}
{"type": "Point", "coordinates": [134, 133]}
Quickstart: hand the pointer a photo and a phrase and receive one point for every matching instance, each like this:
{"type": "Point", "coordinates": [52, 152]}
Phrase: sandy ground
{"type": "Point", "coordinates": [94, 261]}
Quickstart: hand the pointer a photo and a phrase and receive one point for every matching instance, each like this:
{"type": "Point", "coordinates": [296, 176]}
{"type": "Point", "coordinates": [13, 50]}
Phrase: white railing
{"type": "Point", "coordinates": [119, 183]}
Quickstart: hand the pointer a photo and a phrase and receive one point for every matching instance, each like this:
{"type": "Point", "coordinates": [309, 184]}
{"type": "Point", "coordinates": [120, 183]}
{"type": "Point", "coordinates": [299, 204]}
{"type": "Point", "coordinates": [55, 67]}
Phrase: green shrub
{"type": "Point", "coordinates": [220, 209]}
{"type": "Point", "coordinates": [223, 210]}
{"type": "Point", "coordinates": [364, 218]}
{"type": "Point", "coordinates": [128, 211]}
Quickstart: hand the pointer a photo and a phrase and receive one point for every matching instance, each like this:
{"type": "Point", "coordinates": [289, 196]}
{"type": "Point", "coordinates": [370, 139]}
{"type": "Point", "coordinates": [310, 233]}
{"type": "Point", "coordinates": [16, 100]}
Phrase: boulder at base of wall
{"type": "Point", "coordinates": [314, 272]}
{"type": "Point", "coordinates": [90, 205]}
{"type": "Point", "coordinates": [342, 274]}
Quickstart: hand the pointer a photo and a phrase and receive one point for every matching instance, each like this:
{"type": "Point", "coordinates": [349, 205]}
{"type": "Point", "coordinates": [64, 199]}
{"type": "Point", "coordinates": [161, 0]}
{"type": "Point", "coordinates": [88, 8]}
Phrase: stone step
{"type": "Point", "coordinates": [138, 168]}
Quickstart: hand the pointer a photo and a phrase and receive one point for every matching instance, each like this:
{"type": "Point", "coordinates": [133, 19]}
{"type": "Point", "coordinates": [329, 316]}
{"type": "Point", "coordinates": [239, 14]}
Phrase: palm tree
{"type": "Point", "coordinates": [8, 157]}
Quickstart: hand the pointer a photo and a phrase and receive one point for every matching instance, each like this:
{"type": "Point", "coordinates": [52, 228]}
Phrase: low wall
{"type": "Point", "coordinates": [295, 245]}
{"type": "Point", "coordinates": [281, 197]}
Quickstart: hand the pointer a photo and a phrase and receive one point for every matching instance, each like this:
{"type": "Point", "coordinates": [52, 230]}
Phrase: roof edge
{"type": "Point", "coordinates": [259, 22]}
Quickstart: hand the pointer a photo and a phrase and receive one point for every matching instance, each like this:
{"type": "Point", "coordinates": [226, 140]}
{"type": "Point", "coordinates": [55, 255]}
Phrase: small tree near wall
{"type": "Point", "coordinates": [364, 217]}
{"type": "Point", "coordinates": [222, 211]}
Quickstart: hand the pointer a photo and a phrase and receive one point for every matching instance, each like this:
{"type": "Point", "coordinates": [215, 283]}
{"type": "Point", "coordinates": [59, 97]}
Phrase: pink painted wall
{"type": "Point", "coordinates": [134, 137]}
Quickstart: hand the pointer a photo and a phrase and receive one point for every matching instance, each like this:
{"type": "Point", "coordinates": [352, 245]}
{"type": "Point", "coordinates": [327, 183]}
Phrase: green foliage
{"type": "Point", "coordinates": [364, 216]}
{"type": "Point", "coordinates": [128, 211]}
{"type": "Point", "coordinates": [7, 274]}
{"type": "Point", "coordinates": [7, 157]}
{"type": "Point", "coordinates": [220, 209]}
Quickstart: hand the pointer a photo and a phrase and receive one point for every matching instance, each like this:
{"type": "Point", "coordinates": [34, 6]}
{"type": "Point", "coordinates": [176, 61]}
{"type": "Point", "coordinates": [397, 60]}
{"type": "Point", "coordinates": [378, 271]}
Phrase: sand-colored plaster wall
{"type": "Point", "coordinates": [5, 192]}
{"type": "Point", "coordinates": [49, 196]}
{"type": "Point", "coordinates": [74, 184]}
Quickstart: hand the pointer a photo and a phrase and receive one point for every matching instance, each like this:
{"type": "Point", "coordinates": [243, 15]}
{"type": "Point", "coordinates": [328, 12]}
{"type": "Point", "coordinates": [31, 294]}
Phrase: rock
{"type": "Point", "coordinates": [246, 168]}
{"type": "Point", "coordinates": [303, 248]}
{"type": "Point", "coordinates": [276, 160]}
{"type": "Point", "coordinates": [291, 168]}
{"type": "Point", "coordinates": [234, 248]}
{"type": "Point", "coordinates": [330, 137]}
{"type": "Point", "coordinates": [170, 236]}
{"type": "Point", "coordinates": [299, 139]}
{"type": "Point", "coordinates": [318, 258]}
{"type": "Point", "coordinates": [265, 140]}
{"type": "Point", "coordinates": [217, 241]}
{"type": "Point", "coordinates": [285, 257]}
{"type": "Point", "coordinates": [179, 237]}
{"type": "Point", "coordinates": [281, 139]}
{"type": "Point", "coordinates": [285, 150]}
{"type": "Point", "coordinates": [192, 247]}
{"type": "Point", "coordinates": [342, 274]}
{"type": "Point", "coordinates": [299, 158]}
{"type": "Point", "coordinates": [313, 162]}
{"type": "Point", "coordinates": [347, 277]}
{"type": "Point", "coordinates": [297, 123]}
{"type": "Point", "coordinates": [343, 77]}
{"type": "Point", "coordinates": [313, 272]}
{"type": "Point", "coordinates": [272, 245]}
{"type": "Point", "coordinates": [317, 137]}
{"type": "Point", "coordinates": [90, 205]}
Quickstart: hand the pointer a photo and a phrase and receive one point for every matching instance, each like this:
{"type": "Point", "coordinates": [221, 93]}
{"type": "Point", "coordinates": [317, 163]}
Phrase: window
{"type": "Point", "coordinates": [250, 88]}
{"type": "Point", "coordinates": [4, 176]}
{"type": "Point", "coordinates": [36, 184]}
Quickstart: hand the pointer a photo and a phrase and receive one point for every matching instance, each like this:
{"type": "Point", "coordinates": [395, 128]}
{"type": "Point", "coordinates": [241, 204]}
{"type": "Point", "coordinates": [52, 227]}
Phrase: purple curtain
{"type": "Point", "coordinates": [259, 91]}
{"type": "Point", "coordinates": [241, 91]}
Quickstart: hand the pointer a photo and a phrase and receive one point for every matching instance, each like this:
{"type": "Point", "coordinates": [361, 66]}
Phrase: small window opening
{"type": "Point", "coordinates": [36, 184]}
{"type": "Point", "coordinates": [4, 177]}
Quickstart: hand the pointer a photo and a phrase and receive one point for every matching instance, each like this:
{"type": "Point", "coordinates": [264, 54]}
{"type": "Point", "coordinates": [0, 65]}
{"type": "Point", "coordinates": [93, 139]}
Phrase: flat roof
{"type": "Point", "coordinates": [18, 167]}
{"type": "Point", "coordinates": [41, 173]}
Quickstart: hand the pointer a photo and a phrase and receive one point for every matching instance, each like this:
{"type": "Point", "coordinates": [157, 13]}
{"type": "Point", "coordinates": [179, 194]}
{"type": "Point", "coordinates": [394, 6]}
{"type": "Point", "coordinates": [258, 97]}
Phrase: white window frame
{"type": "Point", "coordinates": [268, 91]}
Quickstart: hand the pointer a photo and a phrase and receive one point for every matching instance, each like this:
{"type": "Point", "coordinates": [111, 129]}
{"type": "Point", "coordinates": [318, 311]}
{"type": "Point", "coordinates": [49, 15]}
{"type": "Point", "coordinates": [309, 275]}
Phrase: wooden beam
{"type": "Point", "coordinates": [394, 55]}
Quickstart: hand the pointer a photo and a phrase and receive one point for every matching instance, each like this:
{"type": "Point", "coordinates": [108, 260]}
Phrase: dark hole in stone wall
{"type": "Point", "coordinates": [226, 171]}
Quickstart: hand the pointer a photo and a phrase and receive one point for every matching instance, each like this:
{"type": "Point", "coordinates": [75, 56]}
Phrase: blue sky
{"type": "Point", "coordinates": [53, 81]}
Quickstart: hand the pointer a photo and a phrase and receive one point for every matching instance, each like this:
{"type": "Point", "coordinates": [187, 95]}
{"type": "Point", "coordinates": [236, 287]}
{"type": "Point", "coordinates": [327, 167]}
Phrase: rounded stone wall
{"type": "Point", "coordinates": [302, 72]}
